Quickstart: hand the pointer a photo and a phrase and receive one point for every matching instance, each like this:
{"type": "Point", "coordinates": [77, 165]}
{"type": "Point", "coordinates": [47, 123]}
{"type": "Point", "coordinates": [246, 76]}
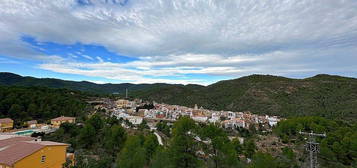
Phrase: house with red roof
{"type": "Point", "coordinates": [56, 122]}
{"type": "Point", "coordinates": [28, 152]}
{"type": "Point", "coordinates": [6, 124]}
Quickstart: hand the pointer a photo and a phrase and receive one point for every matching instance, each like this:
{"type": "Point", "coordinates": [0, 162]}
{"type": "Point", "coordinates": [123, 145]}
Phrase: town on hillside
{"type": "Point", "coordinates": [135, 112]}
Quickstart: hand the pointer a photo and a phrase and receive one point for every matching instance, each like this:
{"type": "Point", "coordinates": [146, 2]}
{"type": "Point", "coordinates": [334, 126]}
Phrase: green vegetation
{"type": "Point", "coordinates": [164, 128]}
{"type": "Point", "coordinates": [327, 96]}
{"type": "Point", "coordinates": [323, 104]}
{"type": "Point", "coordinates": [111, 144]}
{"type": "Point", "coordinates": [26, 103]}
{"type": "Point", "coordinates": [11, 79]}
{"type": "Point", "coordinates": [338, 149]}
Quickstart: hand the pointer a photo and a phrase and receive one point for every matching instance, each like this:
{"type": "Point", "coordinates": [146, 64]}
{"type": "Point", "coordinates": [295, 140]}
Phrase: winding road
{"type": "Point", "coordinates": [159, 138]}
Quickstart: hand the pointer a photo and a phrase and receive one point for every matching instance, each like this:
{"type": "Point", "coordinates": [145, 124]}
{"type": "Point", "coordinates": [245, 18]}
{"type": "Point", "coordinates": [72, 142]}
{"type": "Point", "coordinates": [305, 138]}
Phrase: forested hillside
{"type": "Point", "coordinates": [322, 95]}
{"type": "Point", "coordinates": [10, 79]}
{"type": "Point", "coordinates": [328, 96]}
{"type": "Point", "coordinates": [337, 149]}
{"type": "Point", "coordinates": [26, 103]}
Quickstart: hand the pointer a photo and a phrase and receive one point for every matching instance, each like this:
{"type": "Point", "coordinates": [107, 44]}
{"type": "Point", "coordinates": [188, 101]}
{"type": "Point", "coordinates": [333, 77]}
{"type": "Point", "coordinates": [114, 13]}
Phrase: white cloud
{"type": "Point", "coordinates": [86, 56]}
{"type": "Point", "coordinates": [8, 61]}
{"type": "Point", "coordinates": [176, 37]}
{"type": "Point", "coordinates": [99, 59]}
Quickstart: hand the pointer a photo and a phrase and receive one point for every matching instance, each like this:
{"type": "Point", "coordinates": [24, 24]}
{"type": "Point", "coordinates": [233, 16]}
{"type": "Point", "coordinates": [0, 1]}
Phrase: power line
{"type": "Point", "coordinates": [312, 147]}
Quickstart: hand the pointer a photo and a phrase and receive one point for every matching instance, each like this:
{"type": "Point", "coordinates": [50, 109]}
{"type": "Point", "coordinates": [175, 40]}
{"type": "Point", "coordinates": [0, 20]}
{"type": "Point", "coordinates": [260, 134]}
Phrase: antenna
{"type": "Point", "coordinates": [312, 147]}
{"type": "Point", "coordinates": [126, 93]}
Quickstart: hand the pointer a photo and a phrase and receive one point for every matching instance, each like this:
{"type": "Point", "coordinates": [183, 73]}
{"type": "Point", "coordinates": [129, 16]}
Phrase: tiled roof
{"type": "Point", "coordinates": [6, 120]}
{"type": "Point", "coordinates": [8, 140]}
{"type": "Point", "coordinates": [16, 148]}
{"type": "Point", "coordinates": [62, 118]}
{"type": "Point", "coordinates": [14, 152]}
{"type": "Point", "coordinates": [47, 143]}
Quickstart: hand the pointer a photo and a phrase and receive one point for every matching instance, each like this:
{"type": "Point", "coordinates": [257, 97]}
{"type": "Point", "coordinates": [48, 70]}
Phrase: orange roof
{"type": "Point", "coordinates": [6, 120]}
{"type": "Point", "coordinates": [16, 148]}
{"type": "Point", "coordinates": [13, 139]}
{"type": "Point", "coordinates": [63, 118]}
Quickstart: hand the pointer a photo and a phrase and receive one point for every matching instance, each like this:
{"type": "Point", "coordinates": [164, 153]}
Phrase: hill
{"type": "Point", "coordinates": [27, 103]}
{"type": "Point", "coordinates": [323, 95]}
{"type": "Point", "coordinates": [328, 96]}
{"type": "Point", "coordinates": [10, 79]}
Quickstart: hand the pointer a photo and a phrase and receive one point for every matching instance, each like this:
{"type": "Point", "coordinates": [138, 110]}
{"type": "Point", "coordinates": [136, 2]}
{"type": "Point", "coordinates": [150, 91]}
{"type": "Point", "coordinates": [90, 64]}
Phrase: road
{"type": "Point", "coordinates": [159, 138]}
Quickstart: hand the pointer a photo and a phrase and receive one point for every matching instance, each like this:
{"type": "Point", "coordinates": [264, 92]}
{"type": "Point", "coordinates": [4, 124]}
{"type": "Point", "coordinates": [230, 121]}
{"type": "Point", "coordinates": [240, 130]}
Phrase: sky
{"type": "Point", "coordinates": [177, 41]}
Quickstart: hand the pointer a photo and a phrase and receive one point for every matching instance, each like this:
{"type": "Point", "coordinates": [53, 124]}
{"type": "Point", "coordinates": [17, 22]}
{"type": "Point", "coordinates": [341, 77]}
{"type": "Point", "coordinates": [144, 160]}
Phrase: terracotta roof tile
{"type": "Point", "coordinates": [14, 149]}
{"type": "Point", "coordinates": [11, 140]}
{"type": "Point", "coordinates": [62, 118]}
{"type": "Point", "coordinates": [6, 120]}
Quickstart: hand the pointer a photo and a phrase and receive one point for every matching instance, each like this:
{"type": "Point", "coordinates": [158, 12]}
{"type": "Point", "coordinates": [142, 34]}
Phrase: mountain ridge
{"type": "Point", "coordinates": [329, 96]}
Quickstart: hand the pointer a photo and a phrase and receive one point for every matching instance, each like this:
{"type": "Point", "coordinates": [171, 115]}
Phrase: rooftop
{"type": "Point", "coordinates": [63, 118]}
{"type": "Point", "coordinates": [6, 120]}
{"type": "Point", "coordinates": [15, 148]}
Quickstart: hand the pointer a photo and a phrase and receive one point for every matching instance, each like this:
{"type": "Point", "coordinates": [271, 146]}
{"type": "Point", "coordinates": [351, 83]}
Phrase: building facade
{"type": "Point", "coordinates": [6, 124]}
{"type": "Point", "coordinates": [27, 152]}
{"type": "Point", "coordinates": [56, 122]}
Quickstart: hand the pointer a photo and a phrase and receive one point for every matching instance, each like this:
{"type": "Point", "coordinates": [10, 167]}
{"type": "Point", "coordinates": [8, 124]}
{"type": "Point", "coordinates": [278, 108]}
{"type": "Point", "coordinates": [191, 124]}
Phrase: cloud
{"type": "Point", "coordinates": [176, 38]}
{"type": "Point", "coordinates": [118, 72]}
{"type": "Point", "coordinates": [8, 61]}
{"type": "Point", "coordinates": [86, 56]}
{"type": "Point", "coordinates": [100, 59]}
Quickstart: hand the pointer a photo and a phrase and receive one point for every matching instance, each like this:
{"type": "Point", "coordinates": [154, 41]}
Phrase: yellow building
{"type": "Point", "coordinates": [31, 124]}
{"type": "Point", "coordinates": [122, 103]}
{"type": "Point", "coordinates": [56, 122]}
{"type": "Point", "coordinates": [26, 152]}
{"type": "Point", "coordinates": [6, 124]}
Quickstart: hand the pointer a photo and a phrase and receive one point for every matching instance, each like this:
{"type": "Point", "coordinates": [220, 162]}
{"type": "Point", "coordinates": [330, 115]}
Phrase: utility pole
{"type": "Point", "coordinates": [312, 147]}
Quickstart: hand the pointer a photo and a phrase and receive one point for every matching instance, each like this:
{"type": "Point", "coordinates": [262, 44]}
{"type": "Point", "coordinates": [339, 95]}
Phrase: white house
{"type": "Point", "coordinates": [231, 115]}
{"type": "Point", "coordinates": [214, 118]}
{"type": "Point", "coordinates": [200, 118]}
{"type": "Point", "coordinates": [136, 120]}
{"type": "Point", "coordinates": [234, 123]}
{"type": "Point", "coordinates": [272, 120]}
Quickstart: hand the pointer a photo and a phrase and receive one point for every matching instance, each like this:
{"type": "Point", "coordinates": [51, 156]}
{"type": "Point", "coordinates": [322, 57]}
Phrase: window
{"type": "Point", "coordinates": [43, 159]}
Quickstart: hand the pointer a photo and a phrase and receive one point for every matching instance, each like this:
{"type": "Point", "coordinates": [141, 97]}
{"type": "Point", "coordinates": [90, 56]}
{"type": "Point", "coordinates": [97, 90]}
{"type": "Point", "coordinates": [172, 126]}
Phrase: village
{"type": "Point", "coordinates": [133, 111]}
{"type": "Point", "coordinates": [136, 111]}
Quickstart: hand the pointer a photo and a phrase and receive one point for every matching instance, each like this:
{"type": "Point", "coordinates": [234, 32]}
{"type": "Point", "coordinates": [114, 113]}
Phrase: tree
{"type": "Point", "coordinates": [220, 150]}
{"type": "Point", "coordinates": [287, 158]}
{"type": "Point", "coordinates": [163, 127]}
{"type": "Point", "coordinates": [115, 138]}
{"type": "Point", "coordinates": [249, 148]}
{"type": "Point", "coordinates": [33, 110]}
{"type": "Point", "coordinates": [161, 159]}
{"type": "Point", "coordinates": [87, 135]}
{"type": "Point", "coordinates": [183, 147]}
{"type": "Point", "coordinates": [150, 146]}
{"type": "Point", "coordinates": [15, 111]}
{"type": "Point", "coordinates": [238, 147]}
{"type": "Point", "coordinates": [96, 121]}
{"type": "Point", "coordinates": [143, 125]}
{"type": "Point", "coordinates": [262, 160]}
{"type": "Point", "coordinates": [223, 153]}
{"type": "Point", "coordinates": [132, 155]}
